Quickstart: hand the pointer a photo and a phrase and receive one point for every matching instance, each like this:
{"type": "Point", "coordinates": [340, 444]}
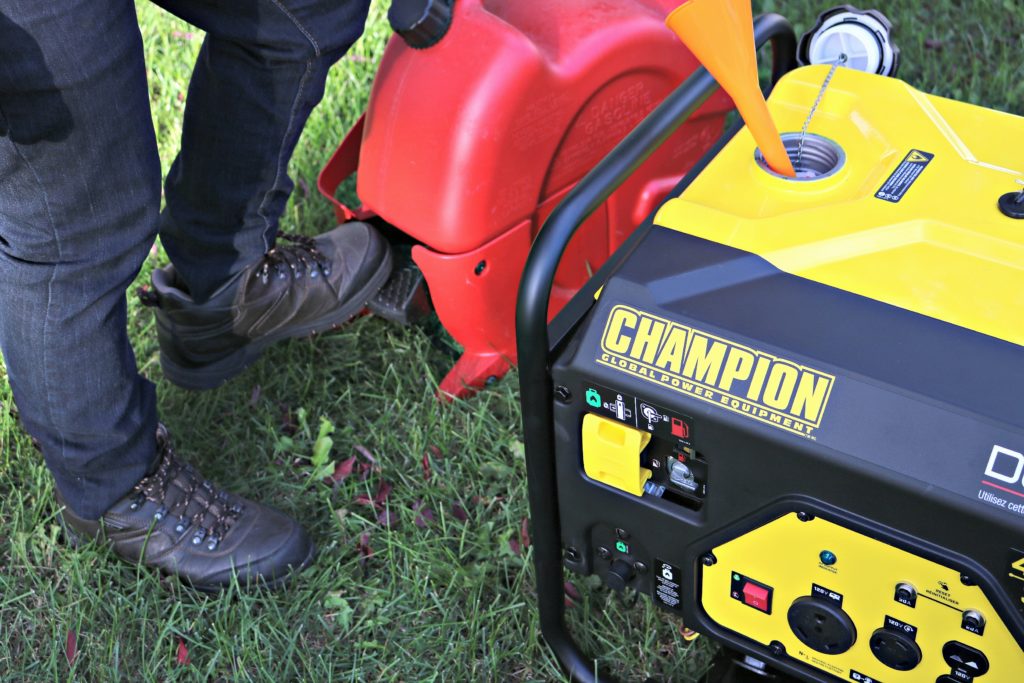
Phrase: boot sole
{"type": "Point", "coordinates": [271, 585]}
{"type": "Point", "coordinates": [217, 373]}
{"type": "Point", "coordinates": [75, 540]}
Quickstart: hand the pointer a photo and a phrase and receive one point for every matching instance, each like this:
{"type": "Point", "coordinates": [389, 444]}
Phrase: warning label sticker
{"type": "Point", "coordinates": [667, 579]}
{"type": "Point", "coordinates": [905, 175]}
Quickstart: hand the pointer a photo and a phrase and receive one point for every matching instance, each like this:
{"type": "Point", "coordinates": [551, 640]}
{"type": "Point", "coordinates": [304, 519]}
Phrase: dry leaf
{"type": "Point", "coordinates": [182, 657]}
{"type": "Point", "coordinates": [71, 647]}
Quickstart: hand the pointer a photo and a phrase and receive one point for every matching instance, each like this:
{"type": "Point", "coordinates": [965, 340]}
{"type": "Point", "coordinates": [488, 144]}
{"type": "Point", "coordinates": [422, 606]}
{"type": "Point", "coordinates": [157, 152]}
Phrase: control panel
{"type": "Point", "coordinates": [639, 447]}
{"type": "Point", "coordinates": [855, 607]}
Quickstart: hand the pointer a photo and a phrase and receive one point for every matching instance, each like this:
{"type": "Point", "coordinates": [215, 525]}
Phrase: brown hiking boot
{"type": "Point", "coordinates": [179, 522]}
{"type": "Point", "coordinates": [303, 286]}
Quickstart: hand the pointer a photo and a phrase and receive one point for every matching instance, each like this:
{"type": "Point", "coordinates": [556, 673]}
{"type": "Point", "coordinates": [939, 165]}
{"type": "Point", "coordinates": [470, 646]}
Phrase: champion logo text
{"type": "Point", "coordinates": [752, 383]}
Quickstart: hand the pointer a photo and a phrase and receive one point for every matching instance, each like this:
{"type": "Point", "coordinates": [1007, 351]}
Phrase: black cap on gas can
{"type": "Point", "coordinates": [421, 23]}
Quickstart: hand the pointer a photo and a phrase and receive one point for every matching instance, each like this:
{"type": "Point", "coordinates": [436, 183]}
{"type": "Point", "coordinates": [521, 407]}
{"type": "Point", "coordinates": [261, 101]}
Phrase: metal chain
{"type": "Point", "coordinates": [821, 93]}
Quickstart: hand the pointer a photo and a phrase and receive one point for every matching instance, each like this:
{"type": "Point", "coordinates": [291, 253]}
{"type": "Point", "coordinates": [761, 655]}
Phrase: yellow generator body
{"type": "Point", "coordinates": [794, 414]}
{"type": "Point", "coordinates": [909, 217]}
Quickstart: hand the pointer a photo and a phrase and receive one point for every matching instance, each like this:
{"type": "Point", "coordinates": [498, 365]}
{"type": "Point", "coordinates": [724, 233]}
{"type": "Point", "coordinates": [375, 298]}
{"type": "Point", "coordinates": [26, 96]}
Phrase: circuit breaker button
{"type": "Point", "coordinates": [906, 594]}
{"type": "Point", "coordinates": [611, 454]}
{"type": "Point", "coordinates": [756, 596]}
{"type": "Point", "coordinates": [973, 621]}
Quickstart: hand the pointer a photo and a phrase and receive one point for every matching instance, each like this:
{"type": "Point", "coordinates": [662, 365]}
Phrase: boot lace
{"type": "Point", "coordinates": [200, 505]}
{"type": "Point", "coordinates": [300, 257]}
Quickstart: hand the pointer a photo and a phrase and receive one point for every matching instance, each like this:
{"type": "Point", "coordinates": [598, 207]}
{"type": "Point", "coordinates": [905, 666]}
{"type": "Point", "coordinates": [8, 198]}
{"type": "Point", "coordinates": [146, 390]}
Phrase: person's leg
{"type": "Point", "coordinates": [79, 196]}
{"type": "Point", "coordinates": [260, 72]}
{"type": "Point", "coordinates": [231, 291]}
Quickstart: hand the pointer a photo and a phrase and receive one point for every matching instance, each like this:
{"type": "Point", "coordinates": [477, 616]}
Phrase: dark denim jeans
{"type": "Point", "coordinates": [80, 199]}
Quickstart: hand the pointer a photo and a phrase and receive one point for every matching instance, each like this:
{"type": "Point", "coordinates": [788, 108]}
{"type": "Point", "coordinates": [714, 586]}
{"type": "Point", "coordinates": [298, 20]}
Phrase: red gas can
{"type": "Point", "coordinates": [469, 144]}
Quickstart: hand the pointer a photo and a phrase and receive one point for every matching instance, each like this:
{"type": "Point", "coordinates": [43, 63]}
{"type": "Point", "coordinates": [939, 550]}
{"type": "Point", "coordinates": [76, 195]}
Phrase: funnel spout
{"type": "Point", "coordinates": [720, 33]}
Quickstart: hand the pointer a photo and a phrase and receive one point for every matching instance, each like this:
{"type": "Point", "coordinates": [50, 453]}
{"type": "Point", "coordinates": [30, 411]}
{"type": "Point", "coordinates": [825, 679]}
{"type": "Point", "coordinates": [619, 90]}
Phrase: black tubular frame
{"type": "Point", "coordinates": [536, 391]}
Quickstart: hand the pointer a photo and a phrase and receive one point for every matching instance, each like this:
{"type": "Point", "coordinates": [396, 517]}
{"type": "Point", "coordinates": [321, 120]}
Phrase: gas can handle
{"type": "Point", "coordinates": [342, 164]}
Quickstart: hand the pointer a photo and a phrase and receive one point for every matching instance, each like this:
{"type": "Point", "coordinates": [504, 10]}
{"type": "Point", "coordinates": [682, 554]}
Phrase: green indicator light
{"type": "Point", "coordinates": [593, 398]}
{"type": "Point", "coordinates": [735, 577]}
{"type": "Point", "coordinates": [827, 557]}
{"type": "Point", "coordinates": [621, 547]}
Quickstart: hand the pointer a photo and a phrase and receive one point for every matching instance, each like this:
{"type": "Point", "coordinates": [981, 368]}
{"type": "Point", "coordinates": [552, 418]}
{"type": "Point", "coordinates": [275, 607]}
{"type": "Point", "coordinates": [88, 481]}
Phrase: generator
{"type": "Point", "coordinates": [790, 411]}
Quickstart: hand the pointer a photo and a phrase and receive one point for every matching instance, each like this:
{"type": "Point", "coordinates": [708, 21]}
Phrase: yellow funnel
{"type": "Point", "coordinates": [720, 33]}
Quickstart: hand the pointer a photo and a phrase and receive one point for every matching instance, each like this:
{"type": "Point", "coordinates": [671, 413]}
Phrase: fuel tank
{"type": "Point", "coordinates": [468, 145]}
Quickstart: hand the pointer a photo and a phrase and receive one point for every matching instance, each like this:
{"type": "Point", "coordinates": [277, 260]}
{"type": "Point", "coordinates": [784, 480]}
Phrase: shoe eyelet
{"type": "Point", "coordinates": [180, 528]}
{"type": "Point", "coordinates": [200, 535]}
{"type": "Point", "coordinates": [212, 543]}
{"type": "Point", "coordinates": [159, 514]}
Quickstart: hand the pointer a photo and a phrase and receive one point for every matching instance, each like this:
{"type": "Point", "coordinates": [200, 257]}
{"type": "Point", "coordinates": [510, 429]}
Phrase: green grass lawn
{"type": "Point", "coordinates": [434, 581]}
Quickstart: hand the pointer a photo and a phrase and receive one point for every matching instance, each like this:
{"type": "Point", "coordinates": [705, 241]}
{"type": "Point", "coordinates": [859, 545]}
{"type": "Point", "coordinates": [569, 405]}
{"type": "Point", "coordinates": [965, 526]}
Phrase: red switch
{"type": "Point", "coordinates": [757, 597]}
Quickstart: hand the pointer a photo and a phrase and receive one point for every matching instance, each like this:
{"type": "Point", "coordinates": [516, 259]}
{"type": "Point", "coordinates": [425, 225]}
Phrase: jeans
{"type": "Point", "coordinates": [80, 200]}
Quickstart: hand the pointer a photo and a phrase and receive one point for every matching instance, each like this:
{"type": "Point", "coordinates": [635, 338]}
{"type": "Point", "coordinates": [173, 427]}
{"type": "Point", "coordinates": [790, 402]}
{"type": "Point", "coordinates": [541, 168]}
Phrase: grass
{"type": "Point", "coordinates": [434, 583]}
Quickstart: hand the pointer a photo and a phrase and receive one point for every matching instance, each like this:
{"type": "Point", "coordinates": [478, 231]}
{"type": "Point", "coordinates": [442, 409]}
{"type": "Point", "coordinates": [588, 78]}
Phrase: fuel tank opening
{"type": "Point", "coordinates": [819, 158]}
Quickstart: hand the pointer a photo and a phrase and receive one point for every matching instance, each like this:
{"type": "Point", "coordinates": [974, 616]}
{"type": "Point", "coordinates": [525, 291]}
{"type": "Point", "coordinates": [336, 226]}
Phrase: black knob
{"type": "Point", "coordinates": [619, 574]}
{"type": "Point", "coordinates": [421, 23]}
{"type": "Point", "coordinates": [1012, 204]}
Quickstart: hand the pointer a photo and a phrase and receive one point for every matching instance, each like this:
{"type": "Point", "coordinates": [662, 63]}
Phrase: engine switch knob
{"type": "Point", "coordinates": [620, 573]}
